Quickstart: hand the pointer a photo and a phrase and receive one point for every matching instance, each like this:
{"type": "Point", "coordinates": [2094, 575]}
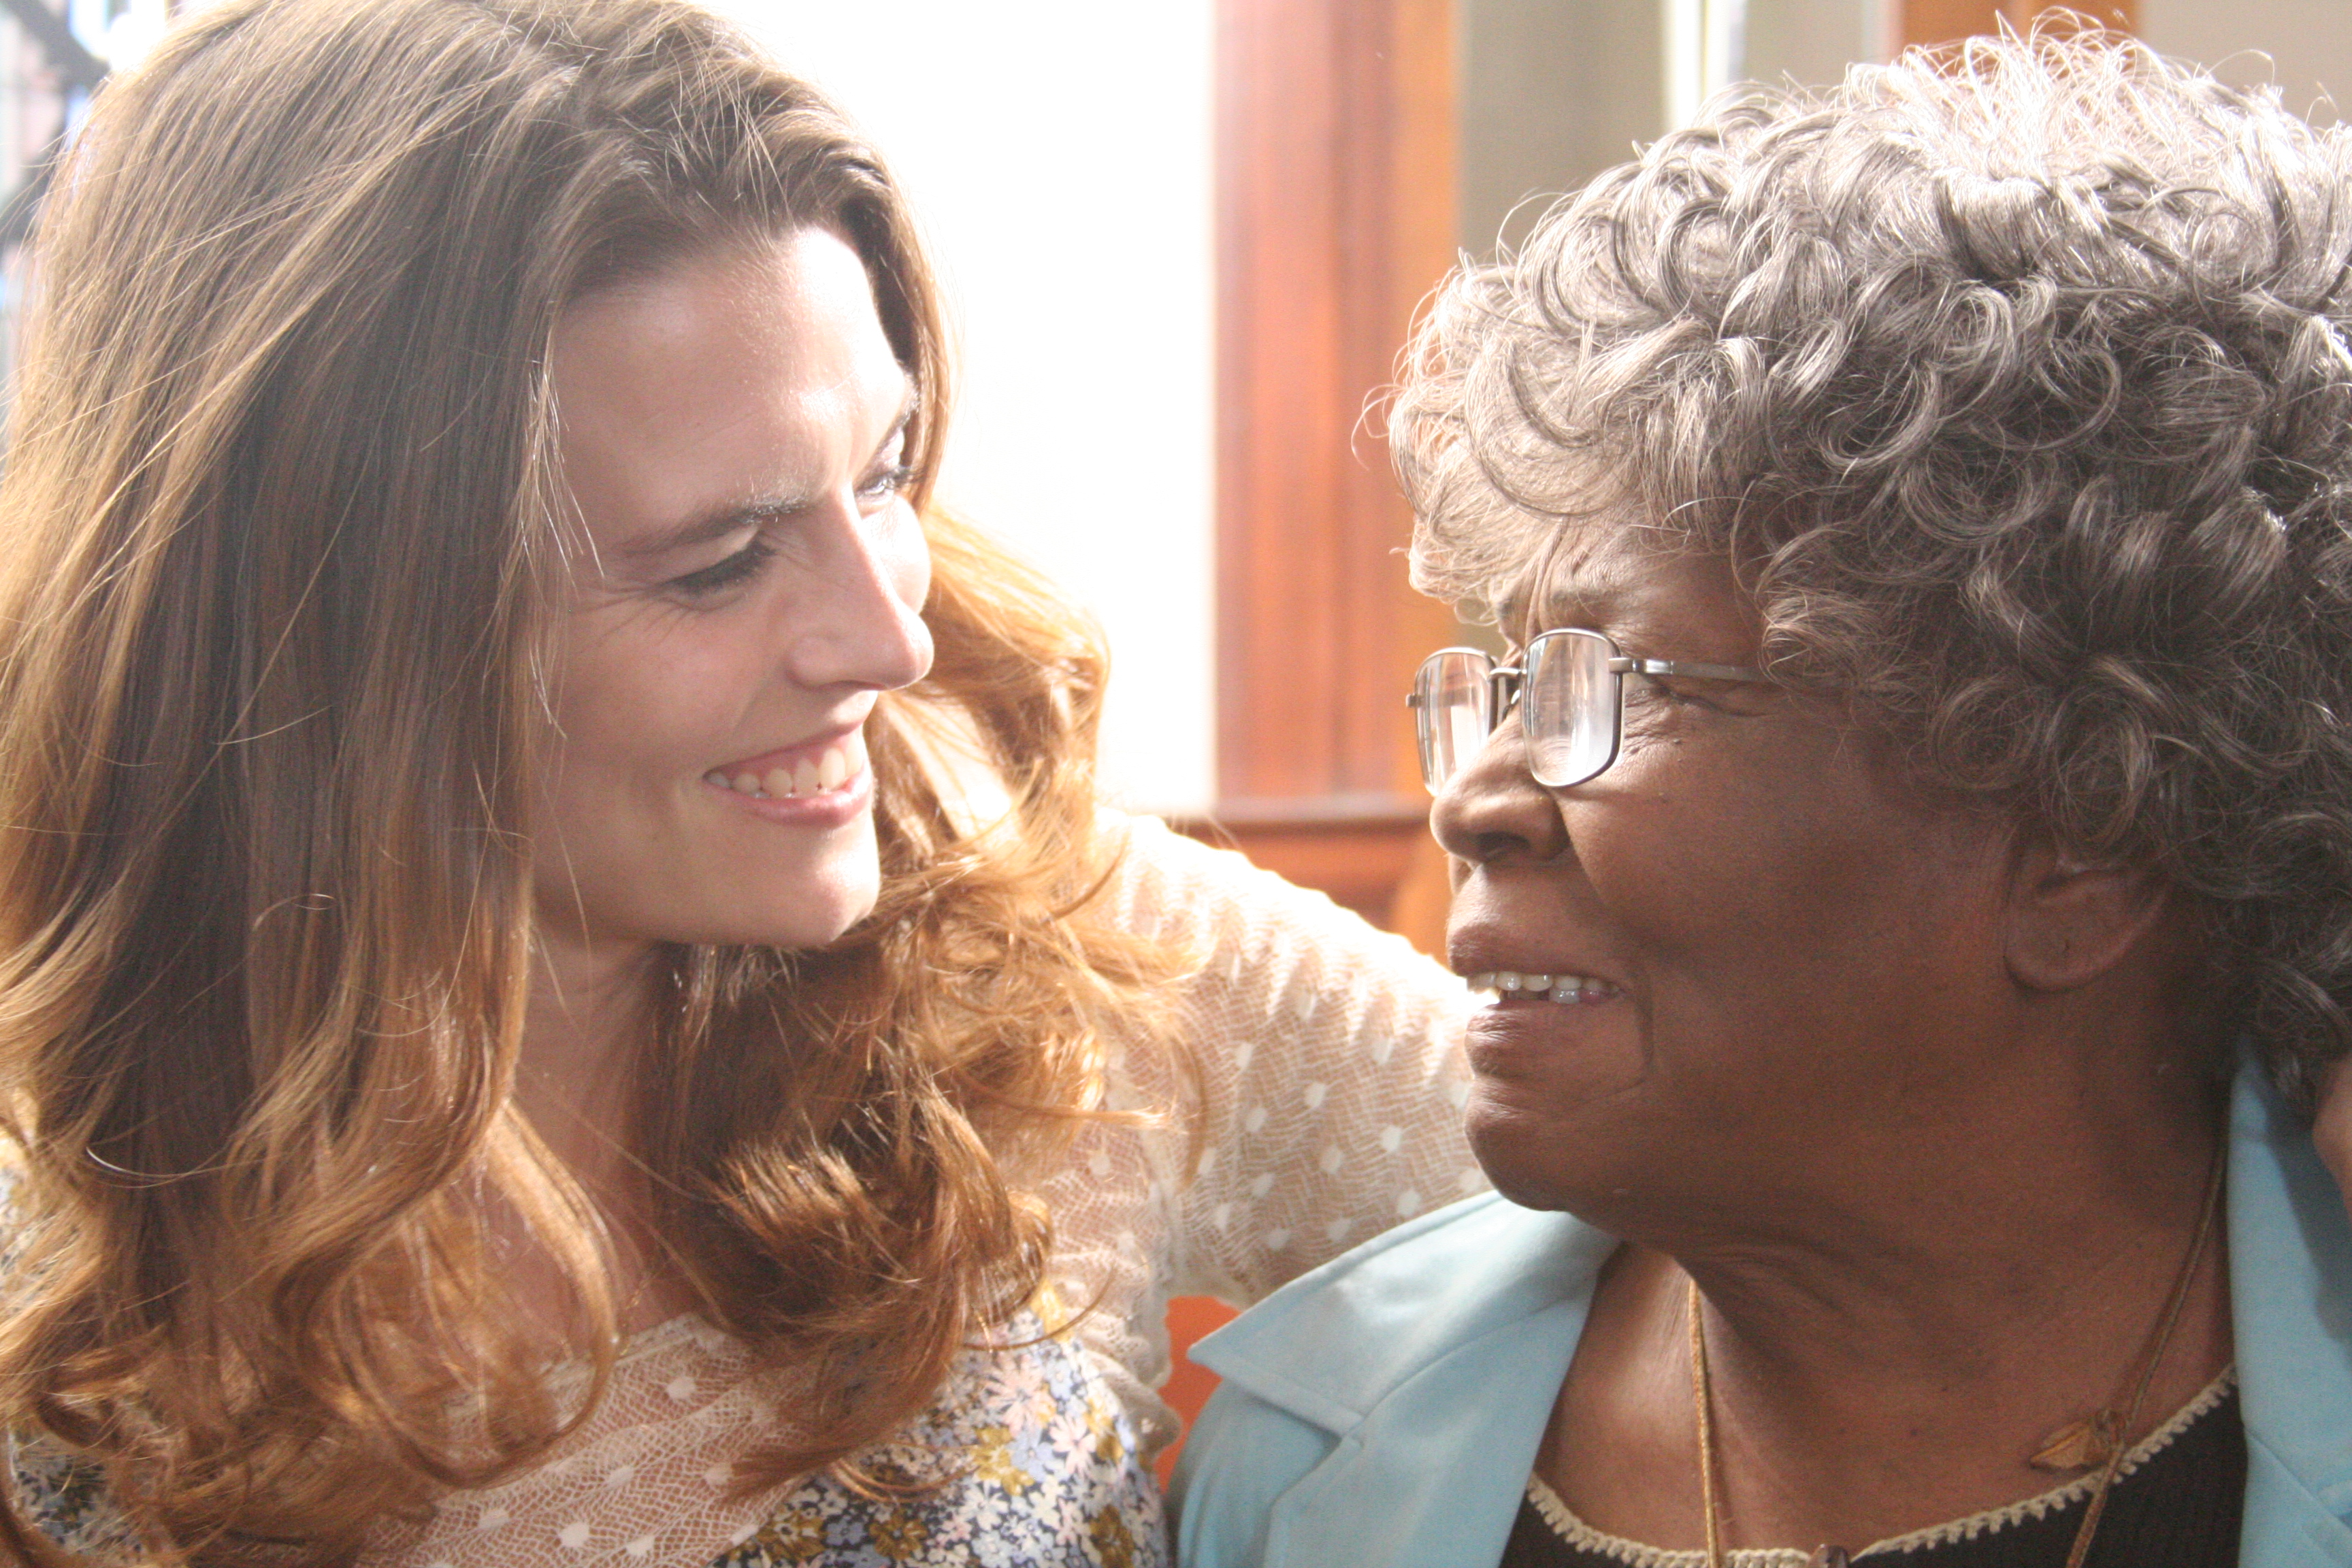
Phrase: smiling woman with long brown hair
{"type": "Point", "coordinates": [511, 1054]}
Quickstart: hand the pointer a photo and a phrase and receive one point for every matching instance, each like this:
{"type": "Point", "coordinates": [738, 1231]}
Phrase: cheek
{"type": "Point", "coordinates": [1795, 928]}
{"type": "Point", "coordinates": [639, 708]}
{"type": "Point", "coordinates": [909, 561]}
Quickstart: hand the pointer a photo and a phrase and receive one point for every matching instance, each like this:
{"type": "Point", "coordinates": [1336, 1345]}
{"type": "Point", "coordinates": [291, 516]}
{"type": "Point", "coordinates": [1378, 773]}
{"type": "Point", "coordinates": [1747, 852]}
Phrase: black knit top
{"type": "Point", "coordinates": [2175, 1505]}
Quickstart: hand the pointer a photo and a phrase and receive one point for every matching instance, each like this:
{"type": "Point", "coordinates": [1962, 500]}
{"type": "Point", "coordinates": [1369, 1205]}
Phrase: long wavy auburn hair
{"type": "Point", "coordinates": [279, 529]}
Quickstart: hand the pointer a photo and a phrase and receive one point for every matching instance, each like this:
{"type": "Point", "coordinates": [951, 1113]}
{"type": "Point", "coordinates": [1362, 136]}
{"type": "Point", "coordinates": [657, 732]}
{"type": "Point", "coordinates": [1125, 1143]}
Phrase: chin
{"type": "Point", "coordinates": [1537, 1161]}
{"type": "Point", "coordinates": [805, 913]}
{"type": "Point", "coordinates": [1518, 1159]}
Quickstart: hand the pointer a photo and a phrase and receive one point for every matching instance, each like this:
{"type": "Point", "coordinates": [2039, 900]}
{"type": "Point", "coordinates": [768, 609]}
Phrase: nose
{"type": "Point", "coordinates": [860, 622]}
{"type": "Point", "coordinates": [1492, 809]}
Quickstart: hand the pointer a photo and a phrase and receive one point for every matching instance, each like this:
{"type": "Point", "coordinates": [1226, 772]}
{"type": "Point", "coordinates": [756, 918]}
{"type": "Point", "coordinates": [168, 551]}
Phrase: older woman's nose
{"type": "Point", "coordinates": [1493, 809]}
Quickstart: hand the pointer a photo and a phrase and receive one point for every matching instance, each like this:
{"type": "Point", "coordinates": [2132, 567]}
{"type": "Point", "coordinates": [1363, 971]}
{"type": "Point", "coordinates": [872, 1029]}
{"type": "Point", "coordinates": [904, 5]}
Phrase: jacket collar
{"type": "Point", "coordinates": [1432, 1355]}
{"type": "Point", "coordinates": [2291, 1306]}
{"type": "Point", "coordinates": [1332, 1346]}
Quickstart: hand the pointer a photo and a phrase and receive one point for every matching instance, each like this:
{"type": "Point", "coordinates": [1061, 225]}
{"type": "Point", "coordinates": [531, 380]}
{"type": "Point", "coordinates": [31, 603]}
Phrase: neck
{"type": "Point", "coordinates": [1894, 1334]}
{"type": "Point", "coordinates": [1986, 1233]}
{"type": "Point", "coordinates": [589, 1012]}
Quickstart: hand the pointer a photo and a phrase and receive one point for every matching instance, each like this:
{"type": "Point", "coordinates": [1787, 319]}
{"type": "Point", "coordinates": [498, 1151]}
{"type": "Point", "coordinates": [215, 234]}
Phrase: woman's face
{"type": "Point", "coordinates": [751, 576]}
{"type": "Point", "coordinates": [1788, 962]}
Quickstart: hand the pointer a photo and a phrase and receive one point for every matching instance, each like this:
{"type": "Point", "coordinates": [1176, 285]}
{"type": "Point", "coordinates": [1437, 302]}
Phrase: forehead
{"type": "Point", "coordinates": [744, 375]}
{"type": "Point", "coordinates": [1634, 583]}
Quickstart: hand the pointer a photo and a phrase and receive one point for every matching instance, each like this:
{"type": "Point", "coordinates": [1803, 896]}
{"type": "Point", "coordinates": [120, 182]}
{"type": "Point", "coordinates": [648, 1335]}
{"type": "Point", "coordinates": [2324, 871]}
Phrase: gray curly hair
{"type": "Point", "coordinates": [2013, 380]}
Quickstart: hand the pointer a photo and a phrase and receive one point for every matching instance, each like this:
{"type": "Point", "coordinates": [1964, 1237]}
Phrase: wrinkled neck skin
{"type": "Point", "coordinates": [1895, 1327]}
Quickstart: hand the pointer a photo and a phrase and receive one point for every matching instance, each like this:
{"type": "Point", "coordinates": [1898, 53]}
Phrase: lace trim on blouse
{"type": "Point", "coordinates": [1585, 1538]}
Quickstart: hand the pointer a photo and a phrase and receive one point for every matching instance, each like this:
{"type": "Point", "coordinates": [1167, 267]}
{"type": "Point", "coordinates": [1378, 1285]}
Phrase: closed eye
{"type": "Point", "coordinates": [720, 575]}
{"type": "Point", "coordinates": [1660, 690]}
{"type": "Point", "coordinates": [889, 482]}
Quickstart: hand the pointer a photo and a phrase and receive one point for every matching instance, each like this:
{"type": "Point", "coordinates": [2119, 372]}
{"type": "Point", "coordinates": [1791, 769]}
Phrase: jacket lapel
{"type": "Point", "coordinates": [1435, 1374]}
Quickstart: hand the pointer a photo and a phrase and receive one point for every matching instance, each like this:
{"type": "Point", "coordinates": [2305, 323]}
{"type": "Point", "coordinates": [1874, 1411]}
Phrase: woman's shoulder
{"type": "Point", "coordinates": [1250, 928]}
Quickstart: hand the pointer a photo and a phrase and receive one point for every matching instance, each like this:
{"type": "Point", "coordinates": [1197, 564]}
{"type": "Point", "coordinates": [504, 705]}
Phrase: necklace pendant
{"type": "Point", "coordinates": [1827, 1557]}
{"type": "Point", "coordinates": [2080, 1444]}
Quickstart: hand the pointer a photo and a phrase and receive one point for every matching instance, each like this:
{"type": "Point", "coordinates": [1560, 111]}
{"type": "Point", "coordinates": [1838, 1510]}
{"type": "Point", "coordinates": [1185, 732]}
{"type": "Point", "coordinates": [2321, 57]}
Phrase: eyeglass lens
{"type": "Point", "coordinates": [1454, 700]}
{"type": "Point", "coordinates": [1567, 709]}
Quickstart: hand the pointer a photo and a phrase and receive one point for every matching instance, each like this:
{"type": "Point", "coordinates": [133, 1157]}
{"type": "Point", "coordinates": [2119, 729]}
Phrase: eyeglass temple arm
{"type": "Point", "coordinates": [1624, 664]}
{"type": "Point", "coordinates": [1507, 677]}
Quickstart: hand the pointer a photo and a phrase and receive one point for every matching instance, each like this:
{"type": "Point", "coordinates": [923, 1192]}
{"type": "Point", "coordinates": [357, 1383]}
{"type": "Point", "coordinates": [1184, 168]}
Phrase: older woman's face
{"type": "Point", "coordinates": [733, 431]}
{"type": "Point", "coordinates": [1789, 959]}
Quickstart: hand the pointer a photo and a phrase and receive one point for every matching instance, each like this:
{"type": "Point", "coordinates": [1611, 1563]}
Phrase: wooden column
{"type": "Point", "coordinates": [1334, 178]}
{"type": "Point", "coordinates": [1335, 169]}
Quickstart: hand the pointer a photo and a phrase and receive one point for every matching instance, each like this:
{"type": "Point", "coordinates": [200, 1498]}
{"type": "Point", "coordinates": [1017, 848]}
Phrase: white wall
{"type": "Point", "coordinates": [1553, 91]}
{"type": "Point", "coordinates": [2308, 42]}
{"type": "Point", "coordinates": [1058, 152]}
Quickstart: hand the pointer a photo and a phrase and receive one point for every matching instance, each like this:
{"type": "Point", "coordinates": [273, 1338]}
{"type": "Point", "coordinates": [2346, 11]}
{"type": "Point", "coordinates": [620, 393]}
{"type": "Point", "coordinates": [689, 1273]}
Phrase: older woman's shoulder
{"type": "Point", "coordinates": [1398, 1390]}
{"type": "Point", "coordinates": [1337, 1340]}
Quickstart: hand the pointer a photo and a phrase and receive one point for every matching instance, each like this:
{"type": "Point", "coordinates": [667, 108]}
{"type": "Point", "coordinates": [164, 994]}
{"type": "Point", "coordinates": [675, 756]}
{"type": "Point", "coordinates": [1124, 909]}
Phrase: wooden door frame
{"type": "Point", "coordinates": [1335, 219]}
{"type": "Point", "coordinates": [1943, 21]}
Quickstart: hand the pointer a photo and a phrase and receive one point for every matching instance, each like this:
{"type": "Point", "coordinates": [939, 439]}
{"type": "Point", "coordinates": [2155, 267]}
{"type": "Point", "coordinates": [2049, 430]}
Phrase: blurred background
{"type": "Point", "coordinates": [1183, 241]}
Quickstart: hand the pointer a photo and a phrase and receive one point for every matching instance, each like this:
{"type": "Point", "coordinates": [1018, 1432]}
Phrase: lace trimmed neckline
{"type": "Point", "coordinates": [1617, 1549]}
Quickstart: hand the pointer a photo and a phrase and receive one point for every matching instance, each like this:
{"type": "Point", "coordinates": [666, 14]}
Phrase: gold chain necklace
{"type": "Point", "coordinates": [2102, 1425]}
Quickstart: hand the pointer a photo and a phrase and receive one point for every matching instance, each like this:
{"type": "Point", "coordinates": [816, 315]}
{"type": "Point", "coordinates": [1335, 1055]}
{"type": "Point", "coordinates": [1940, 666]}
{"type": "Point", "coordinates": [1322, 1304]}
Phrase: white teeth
{"type": "Point", "coordinates": [1501, 983]}
{"type": "Point", "coordinates": [829, 771]}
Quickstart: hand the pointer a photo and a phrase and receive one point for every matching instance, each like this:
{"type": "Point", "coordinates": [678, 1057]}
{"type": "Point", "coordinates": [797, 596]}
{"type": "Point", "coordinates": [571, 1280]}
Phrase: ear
{"type": "Point", "coordinates": [2069, 923]}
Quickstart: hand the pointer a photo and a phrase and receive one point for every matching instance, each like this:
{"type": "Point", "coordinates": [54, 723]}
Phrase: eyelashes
{"type": "Point", "coordinates": [739, 567]}
{"type": "Point", "coordinates": [748, 561]}
{"type": "Point", "coordinates": [888, 483]}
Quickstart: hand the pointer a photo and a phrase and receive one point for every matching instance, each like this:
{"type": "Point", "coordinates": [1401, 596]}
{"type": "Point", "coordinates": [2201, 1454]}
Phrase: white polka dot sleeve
{"type": "Point", "coordinates": [1326, 1107]}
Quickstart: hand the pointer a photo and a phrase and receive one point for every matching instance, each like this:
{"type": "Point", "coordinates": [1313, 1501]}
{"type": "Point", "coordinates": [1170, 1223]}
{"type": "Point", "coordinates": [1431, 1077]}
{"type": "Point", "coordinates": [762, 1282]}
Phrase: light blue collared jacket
{"type": "Point", "coordinates": [1385, 1409]}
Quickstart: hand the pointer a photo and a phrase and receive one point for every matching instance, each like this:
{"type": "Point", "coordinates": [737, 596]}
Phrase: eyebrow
{"type": "Point", "coordinates": [1595, 608]}
{"type": "Point", "coordinates": [731, 516]}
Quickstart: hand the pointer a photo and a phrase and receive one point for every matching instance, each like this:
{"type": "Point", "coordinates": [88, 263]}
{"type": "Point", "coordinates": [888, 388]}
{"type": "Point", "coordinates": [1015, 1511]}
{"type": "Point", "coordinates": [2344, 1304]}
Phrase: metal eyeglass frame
{"type": "Point", "coordinates": [1505, 683]}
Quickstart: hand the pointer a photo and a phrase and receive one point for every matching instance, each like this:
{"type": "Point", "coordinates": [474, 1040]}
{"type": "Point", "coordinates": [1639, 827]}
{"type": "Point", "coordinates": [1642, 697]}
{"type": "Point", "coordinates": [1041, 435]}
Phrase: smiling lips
{"type": "Point", "coordinates": [1507, 985]}
{"type": "Point", "coordinates": [796, 771]}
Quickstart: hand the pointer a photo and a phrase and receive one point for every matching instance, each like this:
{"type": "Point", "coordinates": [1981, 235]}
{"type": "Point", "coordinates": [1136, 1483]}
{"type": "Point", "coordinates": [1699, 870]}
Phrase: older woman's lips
{"type": "Point", "coordinates": [1510, 985]}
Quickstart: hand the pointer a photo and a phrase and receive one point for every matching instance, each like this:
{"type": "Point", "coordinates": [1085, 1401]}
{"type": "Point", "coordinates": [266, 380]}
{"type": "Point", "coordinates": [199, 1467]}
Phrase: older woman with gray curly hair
{"type": "Point", "coordinates": [1909, 843]}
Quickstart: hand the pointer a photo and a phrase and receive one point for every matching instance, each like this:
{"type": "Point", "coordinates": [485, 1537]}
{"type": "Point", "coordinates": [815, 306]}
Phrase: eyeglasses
{"type": "Point", "coordinates": [1570, 688]}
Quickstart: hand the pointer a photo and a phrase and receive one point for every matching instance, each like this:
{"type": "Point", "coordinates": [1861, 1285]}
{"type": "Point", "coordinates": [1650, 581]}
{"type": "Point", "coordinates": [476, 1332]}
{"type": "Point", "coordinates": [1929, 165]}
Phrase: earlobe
{"type": "Point", "coordinates": [2069, 923]}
